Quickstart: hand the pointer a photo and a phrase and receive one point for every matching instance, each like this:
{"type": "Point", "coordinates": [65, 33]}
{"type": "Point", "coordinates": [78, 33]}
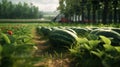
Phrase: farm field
{"type": "Point", "coordinates": [59, 45]}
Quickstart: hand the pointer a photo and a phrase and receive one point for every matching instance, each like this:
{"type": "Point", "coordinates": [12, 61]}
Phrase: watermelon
{"type": "Point", "coordinates": [80, 31]}
{"type": "Point", "coordinates": [55, 28]}
{"type": "Point", "coordinates": [62, 38]}
{"type": "Point", "coordinates": [96, 30]}
{"type": "Point", "coordinates": [93, 28]}
{"type": "Point", "coordinates": [115, 37]}
{"type": "Point", "coordinates": [38, 29]}
{"type": "Point", "coordinates": [116, 30]}
{"type": "Point", "coordinates": [71, 30]}
{"type": "Point", "coordinates": [44, 31]}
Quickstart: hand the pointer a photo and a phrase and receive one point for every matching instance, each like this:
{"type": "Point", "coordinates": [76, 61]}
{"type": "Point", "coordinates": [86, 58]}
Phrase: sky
{"type": "Point", "coordinates": [44, 5]}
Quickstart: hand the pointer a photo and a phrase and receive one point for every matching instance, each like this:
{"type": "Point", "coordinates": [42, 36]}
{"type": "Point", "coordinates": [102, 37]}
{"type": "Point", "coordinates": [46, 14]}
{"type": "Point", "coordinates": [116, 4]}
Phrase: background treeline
{"type": "Point", "coordinates": [10, 10]}
{"type": "Point", "coordinates": [96, 11]}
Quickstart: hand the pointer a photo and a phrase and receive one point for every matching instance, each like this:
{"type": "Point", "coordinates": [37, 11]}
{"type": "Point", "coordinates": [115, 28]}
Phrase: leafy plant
{"type": "Point", "coordinates": [16, 50]}
{"type": "Point", "coordinates": [95, 53]}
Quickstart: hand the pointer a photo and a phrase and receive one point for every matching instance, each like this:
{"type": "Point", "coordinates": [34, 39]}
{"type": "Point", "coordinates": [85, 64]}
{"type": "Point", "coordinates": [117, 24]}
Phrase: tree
{"type": "Point", "coordinates": [4, 9]}
{"type": "Point", "coordinates": [0, 10]}
{"type": "Point", "coordinates": [115, 6]}
{"type": "Point", "coordinates": [61, 6]}
{"type": "Point", "coordinates": [20, 10]}
{"type": "Point", "coordinates": [88, 5]}
{"type": "Point", "coordinates": [95, 5]}
{"type": "Point", "coordinates": [104, 10]}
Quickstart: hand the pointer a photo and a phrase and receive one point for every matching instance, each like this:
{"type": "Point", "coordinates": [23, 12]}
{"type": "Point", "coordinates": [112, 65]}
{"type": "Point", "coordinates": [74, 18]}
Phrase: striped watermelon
{"type": "Point", "coordinates": [115, 37]}
{"type": "Point", "coordinates": [44, 30]}
{"type": "Point", "coordinates": [62, 38]}
{"type": "Point", "coordinates": [116, 30]}
{"type": "Point", "coordinates": [80, 31]}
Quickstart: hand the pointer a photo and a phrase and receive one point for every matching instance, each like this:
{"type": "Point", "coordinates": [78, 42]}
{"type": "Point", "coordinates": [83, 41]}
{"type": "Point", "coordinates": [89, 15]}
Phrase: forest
{"type": "Point", "coordinates": [105, 11]}
{"type": "Point", "coordinates": [9, 10]}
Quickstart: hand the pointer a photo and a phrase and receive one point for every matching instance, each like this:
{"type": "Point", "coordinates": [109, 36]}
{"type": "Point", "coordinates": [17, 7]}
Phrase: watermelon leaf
{"type": "Point", "coordinates": [105, 40]}
{"type": "Point", "coordinates": [82, 40]}
{"type": "Point", "coordinates": [94, 43]}
{"type": "Point", "coordinates": [1, 49]}
{"type": "Point", "coordinates": [87, 46]}
{"type": "Point", "coordinates": [98, 53]}
{"type": "Point", "coordinates": [117, 48]}
{"type": "Point", "coordinates": [6, 38]}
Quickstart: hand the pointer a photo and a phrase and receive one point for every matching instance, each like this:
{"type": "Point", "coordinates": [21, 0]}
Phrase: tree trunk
{"type": "Point", "coordinates": [105, 13]}
{"type": "Point", "coordinates": [110, 17]}
{"type": "Point", "coordinates": [115, 11]}
{"type": "Point", "coordinates": [82, 15]}
{"type": "Point", "coordinates": [119, 15]}
{"type": "Point", "coordinates": [94, 15]}
{"type": "Point", "coordinates": [99, 16]}
{"type": "Point", "coordinates": [82, 9]}
{"type": "Point", "coordinates": [88, 12]}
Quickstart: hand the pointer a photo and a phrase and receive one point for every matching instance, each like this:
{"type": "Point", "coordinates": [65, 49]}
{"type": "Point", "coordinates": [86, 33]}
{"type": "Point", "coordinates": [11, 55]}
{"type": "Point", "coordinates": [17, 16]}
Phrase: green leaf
{"type": "Point", "coordinates": [72, 51]}
{"type": "Point", "coordinates": [83, 40]}
{"type": "Point", "coordinates": [110, 50]}
{"type": "Point", "coordinates": [94, 43]}
{"type": "Point", "coordinates": [1, 49]}
{"type": "Point", "coordinates": [6, 38]}
{"type": "Point", "coordinates": [8, 50]}
{"type": "Point", "coordinates": [117, 48]}
{"type": "Point", "coordinates": [105, 40]}
{"type": "Point", "coordinates": [105, 63]}
{"type": "Point", "coordinates": [98, 53]}
{"type": "Point", "coordinates": [87, 47]}
{"type": "Point", "coordinates": [108, 47]}
{"type": "Point", "coordinates": [92, 37]}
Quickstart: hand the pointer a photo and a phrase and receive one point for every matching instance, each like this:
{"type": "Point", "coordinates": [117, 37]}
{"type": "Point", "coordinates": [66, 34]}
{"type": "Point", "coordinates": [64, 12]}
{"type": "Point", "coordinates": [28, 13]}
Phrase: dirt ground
{"type": "Point", "coordinates": [43, 46]}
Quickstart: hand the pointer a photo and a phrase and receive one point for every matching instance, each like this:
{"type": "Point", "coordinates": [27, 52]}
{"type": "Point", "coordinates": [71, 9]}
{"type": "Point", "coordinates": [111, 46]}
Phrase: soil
{"type": "Point", "coordinates": [43, 48]}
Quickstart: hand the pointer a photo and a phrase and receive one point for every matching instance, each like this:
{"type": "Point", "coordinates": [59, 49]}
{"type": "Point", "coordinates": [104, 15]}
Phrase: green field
{"type": "Point", "coordinates": [55, 44]}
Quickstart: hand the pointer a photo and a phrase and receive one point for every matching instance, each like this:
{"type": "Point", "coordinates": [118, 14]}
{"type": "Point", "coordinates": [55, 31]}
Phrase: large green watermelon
{"type": "Point", "coordinates": [62, 38]}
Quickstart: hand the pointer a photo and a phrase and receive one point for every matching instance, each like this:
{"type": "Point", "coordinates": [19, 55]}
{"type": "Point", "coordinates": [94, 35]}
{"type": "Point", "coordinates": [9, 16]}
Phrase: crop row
{"type": "Point", "coordinates": [89, 47]}
{"type": "Point", "coordinates": [16, 46]}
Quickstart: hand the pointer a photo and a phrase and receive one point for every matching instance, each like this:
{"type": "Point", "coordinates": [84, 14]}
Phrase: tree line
{"type": "Point", "coordinates": [106, 11]}
{"type": "Point", "coordinates": [9, 10]}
